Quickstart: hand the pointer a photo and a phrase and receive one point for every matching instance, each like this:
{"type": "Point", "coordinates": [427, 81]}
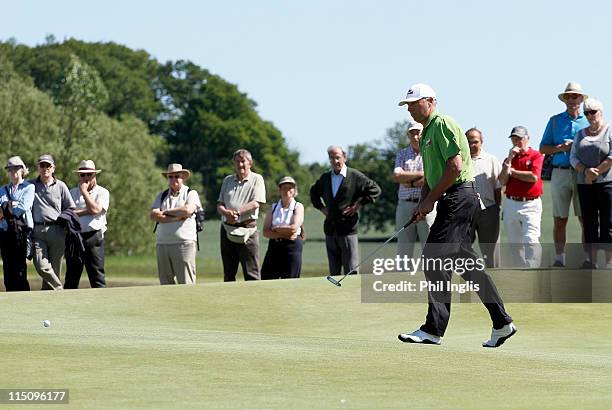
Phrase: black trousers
{"type": "Point", "coordinates": [595, 202]}
{"type": "Point", "coordinates": [283, 259]}
{"type": "Point", "coordinates": [449, 239]}
{"type": "Point", "coordinates": [14, 263]}
{"type": "Point", "coordinates": [245, 254]}
{"type": "Point", "coordinates": [92, 259]}
{"type": "Point", "coordinates": [486, 224]}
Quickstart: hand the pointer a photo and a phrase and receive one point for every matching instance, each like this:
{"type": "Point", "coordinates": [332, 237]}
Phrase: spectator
{"type": "Point", "coordinates": [591, 157]}
{"type": "Point", "coordinates": [486, 221]}
{"type": "Point", "coordinates": [283, 226]}
{"type": "Point", "coordinates": [408, 173]}
{"type": "Point", "coordinates": [557, 141]}
{"type": "Point", "coordinates": [92, 201]}
{"type": "Point", "coordinates": [16, 225]}
{"type": "Point", "coordinates": [51, 198]}
{"type": "Point", "coordinates": [522, 212]}
{"type": "Point", "coordinates": [339, 195]}
{"type": "Point", "coordinates": [173, 210]}
{"type": "Point", "coordinates": [239, 200]}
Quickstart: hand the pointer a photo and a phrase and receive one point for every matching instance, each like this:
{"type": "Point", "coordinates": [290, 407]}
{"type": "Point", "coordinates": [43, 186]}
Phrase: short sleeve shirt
{"type": "Point", "coordinates": [180, 231]}
{"type": "Point", "coordinates": [486, 173]}
{"type": "Point", "coordinates": [443, 139]}
{"type": "Point", "coordinates": [530, 160]}
{"type": "Point", "coordinates": [92, 222]}
{"type": "Point", "coordinates": [408, 160]}
{"type": "Point", "coordinates": [235, 193]}
{"type": "Point", "coordinates": [562, 127]}
{"type": "Point", "coordinates": [50, 200]}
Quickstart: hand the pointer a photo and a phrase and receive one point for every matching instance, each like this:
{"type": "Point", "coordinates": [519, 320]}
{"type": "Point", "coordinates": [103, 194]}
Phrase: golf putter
{"type": "Point", "coordinates": [354, 270]}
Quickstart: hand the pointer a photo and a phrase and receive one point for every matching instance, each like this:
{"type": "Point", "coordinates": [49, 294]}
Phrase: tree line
{"type": "Point", "coordinates": [133, 115]}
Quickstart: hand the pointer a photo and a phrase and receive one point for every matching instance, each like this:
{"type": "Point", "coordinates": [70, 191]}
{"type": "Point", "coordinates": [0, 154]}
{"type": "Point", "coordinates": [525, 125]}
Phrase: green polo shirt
{"type": "Point", "coordinates": [442, 139]}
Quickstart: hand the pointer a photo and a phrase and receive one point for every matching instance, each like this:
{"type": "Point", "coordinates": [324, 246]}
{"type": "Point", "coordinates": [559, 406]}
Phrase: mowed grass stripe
{"type": "Point", "coordinates": [295, 344]}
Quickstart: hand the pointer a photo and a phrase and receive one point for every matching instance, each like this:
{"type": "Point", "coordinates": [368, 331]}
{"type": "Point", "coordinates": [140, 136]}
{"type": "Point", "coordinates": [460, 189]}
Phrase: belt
{"type": "Point", "coordinates": [46, 223]}
{"type": "Point", "coordinates": [245, 224]}
{"type": "Point", "coordinates": [522, 198]}
{"type": "Point", "coordinates": [462, 185]}
{"type": "Point", "coordinates": [412, 199]}
{"type": "Point", "coordinates": [561, 167]}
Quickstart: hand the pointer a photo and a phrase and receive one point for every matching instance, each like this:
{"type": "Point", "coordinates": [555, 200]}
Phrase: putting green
{"type": "Point", "coordinates": [295, 344]}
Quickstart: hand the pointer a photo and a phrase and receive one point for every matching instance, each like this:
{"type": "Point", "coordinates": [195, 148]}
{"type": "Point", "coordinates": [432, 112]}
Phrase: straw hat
{"type": "Point", "coordinates": [176, 168]}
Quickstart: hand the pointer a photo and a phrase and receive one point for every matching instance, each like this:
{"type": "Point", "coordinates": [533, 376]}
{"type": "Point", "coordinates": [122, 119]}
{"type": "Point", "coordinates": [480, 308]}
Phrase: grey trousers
{"type": "Point", "coordinates": [408, 237]}
{"type": "Point", "coordinates": [49, 245]}
{"type": "Point", "coordinates": [342, 252]}
{"type": "Point", "coordinates": [176, 263]}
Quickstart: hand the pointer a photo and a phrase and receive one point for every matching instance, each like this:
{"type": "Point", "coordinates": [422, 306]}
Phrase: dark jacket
{"type": "Point", "coordinates": [356, 187]}
{"type": "Point", "coordinates": [74, 241]}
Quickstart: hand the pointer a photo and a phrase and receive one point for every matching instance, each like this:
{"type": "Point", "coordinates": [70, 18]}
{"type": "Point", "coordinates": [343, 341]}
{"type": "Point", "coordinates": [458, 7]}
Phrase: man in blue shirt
{"type": "Point", "coordinates": [557, 141]}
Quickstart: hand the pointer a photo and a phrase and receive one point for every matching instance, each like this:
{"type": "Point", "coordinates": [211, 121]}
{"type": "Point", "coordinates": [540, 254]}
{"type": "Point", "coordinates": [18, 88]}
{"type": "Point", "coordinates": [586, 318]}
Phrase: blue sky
{"type": "Point", "coordinates": [333, 71]}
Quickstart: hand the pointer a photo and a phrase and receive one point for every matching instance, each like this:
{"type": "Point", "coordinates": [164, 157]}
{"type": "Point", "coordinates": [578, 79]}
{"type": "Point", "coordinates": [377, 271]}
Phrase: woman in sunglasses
{"type": "Point", "coordinates": [16, 224]}
{"type": "Point", "coordinates": [591, 157]}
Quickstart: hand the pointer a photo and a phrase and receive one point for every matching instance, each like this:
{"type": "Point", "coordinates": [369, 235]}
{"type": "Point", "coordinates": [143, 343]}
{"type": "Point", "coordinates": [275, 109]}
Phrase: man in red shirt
{"type": "Point", "coordinates": [522, 212]}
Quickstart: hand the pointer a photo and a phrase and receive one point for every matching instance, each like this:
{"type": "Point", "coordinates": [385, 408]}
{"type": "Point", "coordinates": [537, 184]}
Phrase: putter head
{"type": "Point", "coordinates": [334, 281]}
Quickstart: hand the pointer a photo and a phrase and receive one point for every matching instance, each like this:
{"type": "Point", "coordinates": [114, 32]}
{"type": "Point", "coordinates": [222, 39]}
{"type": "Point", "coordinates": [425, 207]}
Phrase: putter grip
{"type": "Point", "coordinates": [410, 221]}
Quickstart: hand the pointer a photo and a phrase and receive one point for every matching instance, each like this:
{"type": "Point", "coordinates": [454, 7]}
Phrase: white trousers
{"type": "Point", "coordinates": [522, 225]}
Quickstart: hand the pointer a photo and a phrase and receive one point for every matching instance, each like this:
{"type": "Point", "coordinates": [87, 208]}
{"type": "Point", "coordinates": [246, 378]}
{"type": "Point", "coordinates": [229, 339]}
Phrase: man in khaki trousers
{"type": "Point", "coordinates": [173, 210]}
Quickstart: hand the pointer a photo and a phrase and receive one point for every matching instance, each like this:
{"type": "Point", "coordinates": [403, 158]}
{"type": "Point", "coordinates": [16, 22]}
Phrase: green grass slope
{"type": "Point", "coordinates": [295, 344]}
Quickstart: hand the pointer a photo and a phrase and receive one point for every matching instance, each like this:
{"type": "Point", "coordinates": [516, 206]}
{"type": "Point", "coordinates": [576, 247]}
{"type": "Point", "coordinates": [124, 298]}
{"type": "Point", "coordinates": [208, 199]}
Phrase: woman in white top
{"type": "Point", "coordinates": [283, 226]}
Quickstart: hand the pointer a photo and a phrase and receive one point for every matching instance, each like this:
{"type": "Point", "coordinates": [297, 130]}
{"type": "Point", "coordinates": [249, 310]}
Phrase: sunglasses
{"type": "Point", "coordinates": [572, 96]}
{"type": "Point", "coordinates": [44, 165]}
{"type": "Point", "coordinates": [174, 176]}
{"type": "Point", "coordinates": [590, 112]}
{"type": "Point", "coordinates": [13, 169]}
{"type": "Point", "coordinates": [85, 174]}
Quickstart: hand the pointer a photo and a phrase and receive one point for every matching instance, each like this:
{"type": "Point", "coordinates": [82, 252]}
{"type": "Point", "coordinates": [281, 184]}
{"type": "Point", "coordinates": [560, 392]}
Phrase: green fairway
{"type": "Point", "coordinates": [295, 344]}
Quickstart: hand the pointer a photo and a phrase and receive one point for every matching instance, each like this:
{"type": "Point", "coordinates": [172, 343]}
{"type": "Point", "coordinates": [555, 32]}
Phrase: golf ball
{"type": "Point", "coordinates": [46, 323]}
{"type": "Point", "coordinates": [343, 401]}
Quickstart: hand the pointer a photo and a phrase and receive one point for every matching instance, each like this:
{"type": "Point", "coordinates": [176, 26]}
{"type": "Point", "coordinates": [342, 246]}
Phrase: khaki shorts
{"type": "Point", "coordinates": [564, 191]}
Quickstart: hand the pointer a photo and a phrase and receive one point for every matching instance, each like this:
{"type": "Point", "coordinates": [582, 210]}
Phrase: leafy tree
{"type": "Point", "coordinates": [377, 160]}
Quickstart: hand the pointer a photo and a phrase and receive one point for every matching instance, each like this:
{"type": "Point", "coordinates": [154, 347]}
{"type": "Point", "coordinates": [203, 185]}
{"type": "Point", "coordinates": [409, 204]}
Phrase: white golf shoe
{"type": "Point", "coordinates": [418, 336]}
{"type": "Point", "coordinates": [499, 336]}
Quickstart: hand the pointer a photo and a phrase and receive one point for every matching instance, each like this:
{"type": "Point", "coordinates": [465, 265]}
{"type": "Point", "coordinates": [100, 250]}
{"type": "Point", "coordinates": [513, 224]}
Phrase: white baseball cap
{"type": "Point", "coordinates": [415, 126]}
{"type": "Point", "coordinates": [418, 91]}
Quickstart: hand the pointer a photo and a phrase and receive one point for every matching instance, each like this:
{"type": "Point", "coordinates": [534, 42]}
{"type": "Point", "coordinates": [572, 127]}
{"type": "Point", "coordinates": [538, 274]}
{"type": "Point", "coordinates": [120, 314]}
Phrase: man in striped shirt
{"type": "Point", "coordinates": [408, 173]}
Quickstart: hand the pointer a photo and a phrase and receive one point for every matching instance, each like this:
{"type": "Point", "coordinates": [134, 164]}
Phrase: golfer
{"type": "Point", "coordinates": [449, 180]}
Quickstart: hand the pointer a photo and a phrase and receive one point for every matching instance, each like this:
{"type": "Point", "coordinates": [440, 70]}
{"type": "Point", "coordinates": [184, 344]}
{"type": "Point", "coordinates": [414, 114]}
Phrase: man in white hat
{"type": "Point", "coordinates": [557, 141]}
{"type": "Point", "coordinates": [173, 210]}
{"type": "Point", "coordinates": [408, 173]}
{"type": "Point", "coordinates": [92, 201]}
{"type": "Point", "coordinates": [51, 198]}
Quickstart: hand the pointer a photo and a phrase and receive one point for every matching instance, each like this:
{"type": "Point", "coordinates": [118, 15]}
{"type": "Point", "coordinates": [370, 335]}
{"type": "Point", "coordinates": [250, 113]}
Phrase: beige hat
{"type": "Point", "coordinates": [573, 88]}
{"type": "Point", "coordinates": [15, 161]}
{"type": "Point", "coordinates": [87, 166]}
{"type": "Point", "coordinates": [287, 180]}
{"type": "Point", "coordinates": [176, 168]}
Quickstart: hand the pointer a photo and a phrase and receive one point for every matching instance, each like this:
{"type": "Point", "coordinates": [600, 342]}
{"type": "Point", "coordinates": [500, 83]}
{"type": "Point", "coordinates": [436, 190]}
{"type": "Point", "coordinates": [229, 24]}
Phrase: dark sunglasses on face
{"type": "Point", "coordinates": [44, 165]}
{"type": "Point", "coordinates": [571, 96]}
{"type": "Point", "coordinates": [13, 169]}
{"type": "Point", "coordinates": [174, 176]}
{"type": "Point", "coordinates": [590, 112]}
{"type": "Point", "coordinates": [85, 175]}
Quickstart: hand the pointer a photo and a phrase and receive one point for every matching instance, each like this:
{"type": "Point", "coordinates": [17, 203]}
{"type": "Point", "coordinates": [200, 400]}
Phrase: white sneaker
{"type": "Point", "coordinates": [499, 336]}
{"type": "Point", "coordinates": [418, 336]}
